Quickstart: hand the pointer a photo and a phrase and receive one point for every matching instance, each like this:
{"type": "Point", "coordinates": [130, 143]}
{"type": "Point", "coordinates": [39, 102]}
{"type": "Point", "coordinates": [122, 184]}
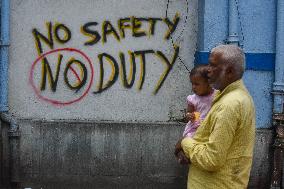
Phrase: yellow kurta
{"type": "Point", "coordinates": [222, 148]}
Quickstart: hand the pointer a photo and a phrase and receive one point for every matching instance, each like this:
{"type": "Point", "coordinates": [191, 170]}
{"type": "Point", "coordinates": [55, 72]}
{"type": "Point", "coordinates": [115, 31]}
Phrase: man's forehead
{"type": "Point", "coordinates": [215, 57]}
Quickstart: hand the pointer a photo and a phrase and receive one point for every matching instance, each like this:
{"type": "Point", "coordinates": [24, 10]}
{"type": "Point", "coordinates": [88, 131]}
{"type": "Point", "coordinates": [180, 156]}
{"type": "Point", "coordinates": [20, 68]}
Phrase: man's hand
{"type": "Point", "coordinates": [182, 159]}
{"type": "Point", "coordinates": [178, 147]}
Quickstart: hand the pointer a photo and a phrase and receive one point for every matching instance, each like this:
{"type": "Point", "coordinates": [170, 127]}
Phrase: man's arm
{"type": "Point", "coordinates": [211, 155]}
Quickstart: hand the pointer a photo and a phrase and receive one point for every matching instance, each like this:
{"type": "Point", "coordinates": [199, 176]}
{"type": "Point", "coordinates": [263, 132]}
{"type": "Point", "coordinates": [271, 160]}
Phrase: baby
{"type": "Point", "coordinates": [198, 104]}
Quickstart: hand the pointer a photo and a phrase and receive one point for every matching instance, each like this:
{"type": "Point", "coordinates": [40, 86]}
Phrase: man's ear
{"type": "Point", "coordinates": [229, 71]}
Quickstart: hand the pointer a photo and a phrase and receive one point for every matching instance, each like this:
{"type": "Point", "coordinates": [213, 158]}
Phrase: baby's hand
{"type": "Point", "coordinates": [190, 116]}
{"type": "Point", "coordinates": [194, 116]}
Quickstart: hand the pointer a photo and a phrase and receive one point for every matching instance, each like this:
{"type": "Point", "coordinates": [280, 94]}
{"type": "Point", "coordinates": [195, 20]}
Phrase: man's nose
{"type": "Point", "coordinates": [208, 69]}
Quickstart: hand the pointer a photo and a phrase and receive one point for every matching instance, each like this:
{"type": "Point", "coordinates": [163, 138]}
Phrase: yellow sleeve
{"type": "Point", "coordinates": [211, 155]}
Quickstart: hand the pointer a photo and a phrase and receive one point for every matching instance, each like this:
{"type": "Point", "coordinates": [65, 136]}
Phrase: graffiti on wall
{"type": "Point", "coordinates": [74, 69]}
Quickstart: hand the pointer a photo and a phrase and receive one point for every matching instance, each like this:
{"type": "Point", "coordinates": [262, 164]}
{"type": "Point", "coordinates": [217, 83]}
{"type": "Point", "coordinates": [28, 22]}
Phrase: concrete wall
{"type": "Point", "coordinates": [107, 155]}
{"type": "Point", "coordinates": [85, 123]}
{"type": "Point", "coordinates": [100, 155]}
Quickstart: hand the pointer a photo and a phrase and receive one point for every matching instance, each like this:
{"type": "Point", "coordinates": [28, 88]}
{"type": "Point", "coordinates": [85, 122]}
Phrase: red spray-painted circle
{"type": "Point", "coordinates": [58, 102]}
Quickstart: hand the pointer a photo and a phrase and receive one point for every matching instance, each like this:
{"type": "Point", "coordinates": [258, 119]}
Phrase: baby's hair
{"type": "Point", "coordinates": [200, 70]}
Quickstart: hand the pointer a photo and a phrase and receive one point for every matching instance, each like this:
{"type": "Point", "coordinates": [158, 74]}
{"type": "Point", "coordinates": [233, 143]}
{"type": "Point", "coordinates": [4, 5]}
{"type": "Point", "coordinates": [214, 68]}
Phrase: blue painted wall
{"type": "Point", "coordinates": [212, 23]}
{"type": "Point", "coordinates": [257, 27]}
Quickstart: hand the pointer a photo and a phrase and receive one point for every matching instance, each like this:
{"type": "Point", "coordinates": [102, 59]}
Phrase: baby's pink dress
{"type": "Point", "coordinates": [202, 104]}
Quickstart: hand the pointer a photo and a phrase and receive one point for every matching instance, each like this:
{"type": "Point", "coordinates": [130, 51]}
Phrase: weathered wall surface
{"type": "Point", "coordinates": [101, 60]}
{"type": "Point", "coordinates": [103, 78]}
{"type": "Point", "coordinates": [113, 155]}
{"type": "Point", "coordinates": [100, 155]}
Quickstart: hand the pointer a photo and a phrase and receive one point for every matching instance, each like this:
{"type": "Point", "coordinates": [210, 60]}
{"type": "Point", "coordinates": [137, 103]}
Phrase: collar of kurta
{"type": "Point", "coordinates": [235, 85]}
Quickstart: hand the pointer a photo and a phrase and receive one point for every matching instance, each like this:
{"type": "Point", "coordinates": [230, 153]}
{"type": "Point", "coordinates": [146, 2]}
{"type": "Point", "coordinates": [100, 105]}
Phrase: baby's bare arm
{"type": "Point", "coordinates": [189, 116]}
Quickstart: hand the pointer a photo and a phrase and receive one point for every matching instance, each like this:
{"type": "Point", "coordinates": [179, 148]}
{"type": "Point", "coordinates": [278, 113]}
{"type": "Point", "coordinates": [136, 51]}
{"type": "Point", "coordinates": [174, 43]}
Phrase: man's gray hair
{"type": "Point", "coordinates": [233, 55]}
